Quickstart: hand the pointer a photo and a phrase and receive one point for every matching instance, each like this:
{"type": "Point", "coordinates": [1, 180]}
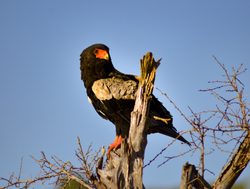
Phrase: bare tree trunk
{"type": "Point", "coordinates": [125, 170]}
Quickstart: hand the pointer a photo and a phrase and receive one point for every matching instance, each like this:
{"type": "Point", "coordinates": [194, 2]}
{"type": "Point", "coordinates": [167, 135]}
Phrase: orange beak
{"type": "Point", "coordinates": [101, 54]}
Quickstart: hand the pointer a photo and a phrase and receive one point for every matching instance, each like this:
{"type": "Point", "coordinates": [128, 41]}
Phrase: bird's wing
{"type": "Point", "coordinates": [162, 121]}
{"type": "Point", "coordinates": [116, 97]}
{"type": "Point", "coordinates": [115, 88]}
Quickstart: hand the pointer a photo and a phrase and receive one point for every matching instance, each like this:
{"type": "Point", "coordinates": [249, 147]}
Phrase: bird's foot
{"type": "Point", "coordinates": [117, 143]}
{"type": "Point", "coordinates": [165, 120]}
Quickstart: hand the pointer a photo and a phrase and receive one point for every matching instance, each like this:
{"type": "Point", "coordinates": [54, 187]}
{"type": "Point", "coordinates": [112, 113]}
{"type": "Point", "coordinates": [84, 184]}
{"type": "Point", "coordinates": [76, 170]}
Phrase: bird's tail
{"type": "Point", "coordinates": [172, 133]}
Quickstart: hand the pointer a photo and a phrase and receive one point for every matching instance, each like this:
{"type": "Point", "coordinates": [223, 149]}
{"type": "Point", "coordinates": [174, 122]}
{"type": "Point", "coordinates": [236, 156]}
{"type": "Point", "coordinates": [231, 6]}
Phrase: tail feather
{"type": "Point", "coordinates": [172, 133]}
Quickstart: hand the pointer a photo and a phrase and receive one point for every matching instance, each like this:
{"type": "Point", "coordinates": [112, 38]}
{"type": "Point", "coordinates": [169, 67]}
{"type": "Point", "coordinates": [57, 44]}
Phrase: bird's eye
{"type": "Point", "coordinates": [96, 51]}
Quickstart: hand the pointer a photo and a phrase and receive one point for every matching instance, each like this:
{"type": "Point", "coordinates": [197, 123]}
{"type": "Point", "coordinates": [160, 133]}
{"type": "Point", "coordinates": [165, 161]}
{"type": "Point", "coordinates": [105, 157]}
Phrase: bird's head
{"type": "Point", "coordinates": [96, 52]}
{"type": "Point", "coordinates": [95, 63]}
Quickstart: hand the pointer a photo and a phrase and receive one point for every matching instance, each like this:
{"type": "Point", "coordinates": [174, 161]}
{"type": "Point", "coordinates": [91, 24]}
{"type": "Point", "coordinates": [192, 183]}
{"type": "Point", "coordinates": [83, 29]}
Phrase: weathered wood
{"type": "Point", "coordinates": [124, 169]}
{"type": "Point", "coordinates": [191, 179]}
{"type": "Point", "coordinates": [138, 129]}
{"type": "Point", "coordinates": [236, 165]}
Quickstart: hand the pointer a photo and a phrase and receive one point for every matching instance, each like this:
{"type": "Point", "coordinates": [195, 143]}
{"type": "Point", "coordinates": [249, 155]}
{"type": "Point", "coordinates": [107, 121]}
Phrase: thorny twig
{"type": "Point", "coordinates": [227, 123]}
{"type": "Point", "coordinates": [56, 171]}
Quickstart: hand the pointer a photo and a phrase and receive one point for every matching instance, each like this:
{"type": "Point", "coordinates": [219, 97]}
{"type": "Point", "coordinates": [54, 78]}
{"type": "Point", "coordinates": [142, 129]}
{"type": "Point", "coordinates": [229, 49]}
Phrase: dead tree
{"type": "Point", "coordinates": [232, 127]}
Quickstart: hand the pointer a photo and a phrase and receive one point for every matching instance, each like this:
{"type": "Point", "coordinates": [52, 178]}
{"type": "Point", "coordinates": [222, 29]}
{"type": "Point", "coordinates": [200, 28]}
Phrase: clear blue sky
{"type": "Point", "coordinates": [43, 105]}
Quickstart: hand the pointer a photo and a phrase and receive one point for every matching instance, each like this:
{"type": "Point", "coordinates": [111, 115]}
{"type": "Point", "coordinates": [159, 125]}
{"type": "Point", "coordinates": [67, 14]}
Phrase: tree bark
{"type": "Point", "coordinates": [125, 169]}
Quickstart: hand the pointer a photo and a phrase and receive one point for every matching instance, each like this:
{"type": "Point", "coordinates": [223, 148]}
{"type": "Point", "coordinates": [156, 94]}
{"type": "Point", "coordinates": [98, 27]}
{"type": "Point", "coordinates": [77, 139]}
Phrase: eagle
{"type": "Point", "coordinates": [113, 93]}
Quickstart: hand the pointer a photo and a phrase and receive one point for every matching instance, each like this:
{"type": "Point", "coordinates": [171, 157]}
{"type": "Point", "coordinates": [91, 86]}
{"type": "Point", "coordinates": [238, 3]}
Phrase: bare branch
{"type": "Point", "coordinates": [58, 172]}
{"type": "Point", "coordinates": [234, 168]}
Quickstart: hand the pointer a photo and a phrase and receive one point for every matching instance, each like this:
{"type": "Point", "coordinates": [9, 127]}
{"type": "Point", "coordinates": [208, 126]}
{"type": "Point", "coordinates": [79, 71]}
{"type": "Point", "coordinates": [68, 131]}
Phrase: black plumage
{"type": "Point", "coordinates": [113, 93]}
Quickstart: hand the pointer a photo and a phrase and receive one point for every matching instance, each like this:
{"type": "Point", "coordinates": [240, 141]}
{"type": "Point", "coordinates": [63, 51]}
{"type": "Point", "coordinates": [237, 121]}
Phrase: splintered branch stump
{"type": "Point", "coordinates": [125, 169]}
{"type": "Point", "coordinates": [191, 179]}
